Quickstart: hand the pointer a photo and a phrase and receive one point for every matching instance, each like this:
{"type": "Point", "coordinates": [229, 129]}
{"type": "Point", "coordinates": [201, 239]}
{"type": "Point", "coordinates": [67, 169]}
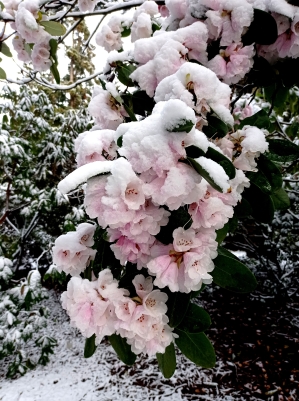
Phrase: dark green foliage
{"type": "Point", "coordinates": [123, 349]}
{"type": "Point", "coordinates": [167, 361]}
{"type": "Point", "coordinates": [90, 346]}
{"type": "Point", "coordinates": [197, 348]}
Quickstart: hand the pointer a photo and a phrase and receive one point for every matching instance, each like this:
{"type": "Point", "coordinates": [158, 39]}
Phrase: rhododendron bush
{"type": "Point", "coordinates": [172, 161]}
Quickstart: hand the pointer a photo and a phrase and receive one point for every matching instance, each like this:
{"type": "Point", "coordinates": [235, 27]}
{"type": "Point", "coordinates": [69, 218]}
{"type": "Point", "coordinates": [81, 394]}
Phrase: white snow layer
{"type": "Point", "coordinates": [82, 174]}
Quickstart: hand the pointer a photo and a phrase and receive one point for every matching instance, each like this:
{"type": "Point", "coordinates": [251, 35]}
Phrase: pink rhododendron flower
{"type": "Point", "coordinates": [227, 19]}
{"type": "Point", "coordinates": [105, 106]}
{"type": "Point", "coordinates": [184, 265]}
{"type": "Point", "coordinates": [86, 5]}
{"type": "Point", "coordinates": [233, 63]}
{"type": "Point", "coordinates": [71, 252]}
{"type": "Point", "coordinates": [41, 55]}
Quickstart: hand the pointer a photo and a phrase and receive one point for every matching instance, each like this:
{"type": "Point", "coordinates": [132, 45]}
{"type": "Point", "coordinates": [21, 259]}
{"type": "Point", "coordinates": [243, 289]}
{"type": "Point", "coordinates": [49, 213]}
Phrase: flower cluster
{"type": "Point", "coordinates": [99, 307]}
{"type": "Point", "coordinates": [138, 174]}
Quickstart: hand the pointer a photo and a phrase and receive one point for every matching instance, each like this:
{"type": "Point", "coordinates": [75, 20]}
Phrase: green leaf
{"type": "Point", "coordinates": [271, 172]}
{"type": "Point", "coordinates": [2, 73]}
{"type": "Point", "coordinates": [204, 173]}
{"type": "Point", "coordinates": [55, 73]}
{"type": "Point", "coordinates": [119, 141]}
{"type": "Point", "coordinates": [167, 361]}
{"type": "Point", "coordinates": [53, 28]}
{"type": "Point", "coordinates": [282, 151]}
{"type": "Point", "coordinates": [281, 199]}
{"type": "Point", "coordinates": [196, 347]}
{"type": "Point", "coordinates": [261, 203]}
{"type": "Point", "coordinates": [5, 49]}
{"type": "Point", "coordinates": [277, 95]}
{"type": "Point", "coordinates": [53, 49]}
{"type": "Point", "coordinates": [259, 119]}
{"type": "Point", "coordinates": [231, 274]}
{"type": "Point", "coordinates": [123, 349]}
{"type": "Point", "coordinates": [263, 29]}
{"type": "Point", "coordinates": [243, 209]}
{"type": "Point", "coordinates": [125, 32]}
{"type": "Point", "coordinates": [142, 103]}
{"type": "Point", "coordinates": [182, 126]}
{"type": "Point", "coordinates": [90, 346]}
{"type": "Point", "coordinates": [123, 72]}
{"type": "Point", "coordinates": [130, 112]}
{"type": "Point", "coordinates": [224, 252]}
{"type": "Point", "coordinates": [194, 151]}
{"type": "Point", "coordinates": [222, 233]}
{"type": "Point", "coordinates": [195, 320]}
{"type": "Point", "coordinates": [177, 305]}
{"type": "Point", "coordinates": [260, 180]}
{"type": "Point", "coordinates": [224, 162]}
{"type": "Point", "coordinates": [216, 128]}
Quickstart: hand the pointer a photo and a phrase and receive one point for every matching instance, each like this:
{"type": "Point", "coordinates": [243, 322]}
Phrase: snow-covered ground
{"type": "Point", "coordinates": [70, 377]}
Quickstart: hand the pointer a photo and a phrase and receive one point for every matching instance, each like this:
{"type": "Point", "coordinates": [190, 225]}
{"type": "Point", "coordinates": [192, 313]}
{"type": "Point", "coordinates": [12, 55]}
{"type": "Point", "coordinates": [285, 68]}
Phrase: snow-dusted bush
{"type": "Point", "coordinates": [21, 319]}
{"type": "Point", "coordinates": [169, 166]}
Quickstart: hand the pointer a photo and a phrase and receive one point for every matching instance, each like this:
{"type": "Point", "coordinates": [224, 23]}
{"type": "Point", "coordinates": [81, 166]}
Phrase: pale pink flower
{"type": "Point", "coordinates": [105, 106]}
{"type": "Point", "coordinates": [143, 285]}
{"type": "Point", "coordinates": [41, 55]}
{"type": "Point", "coordinates": [109, 39]}
{"type": "Point", "coordinates": [209, 212]}
{"type": "Point", "coordinates": [86, 232]}
{"type": "Point", "coordinates": [70, 255]}
{"type": "Point", "coordinates": [86, 5]}
{"type": "Point", "coordinates": [19, 46]}
{"type": "Point", "coordinates": [233, 63]}
{"type": "Point", "coordinates": [227, 19]}
{"type": "Point", "coordinates": [26, 22]}
{"type": "Point", "coordinates": [132, 251]}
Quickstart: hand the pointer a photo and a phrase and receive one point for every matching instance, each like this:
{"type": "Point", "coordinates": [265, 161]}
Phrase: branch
{"type": "Point", "coordinates": [86, 43]}
{"type": "Point", "coordinates": [105, 11]}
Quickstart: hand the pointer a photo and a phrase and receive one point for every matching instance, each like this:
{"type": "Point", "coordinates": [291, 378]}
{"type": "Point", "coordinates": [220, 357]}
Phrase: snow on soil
{"type": "Point", "coordinates": [70, 377]}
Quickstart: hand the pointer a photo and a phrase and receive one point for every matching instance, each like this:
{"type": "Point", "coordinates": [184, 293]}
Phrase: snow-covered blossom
{"type": "Point", "coordinates": [106, 107]}
{"type": "Point", "coordinates": [209, 92]}
{"type": "Point", "coordinates": [27, 17]}
{"type": "Point", "coordinates": [249, 143]}
{"type": "Point", "coordinates": [142, 20]}
{"type": "Point", "coordinates": [94, 146]}
{"type": "Point", "coordinates": [109, 36]}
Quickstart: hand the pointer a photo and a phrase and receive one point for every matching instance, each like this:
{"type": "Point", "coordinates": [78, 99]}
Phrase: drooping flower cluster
{"type": "Point", "coordinates": [138, 174]}
{"type": "Point", "coordinates": [99, 307]}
